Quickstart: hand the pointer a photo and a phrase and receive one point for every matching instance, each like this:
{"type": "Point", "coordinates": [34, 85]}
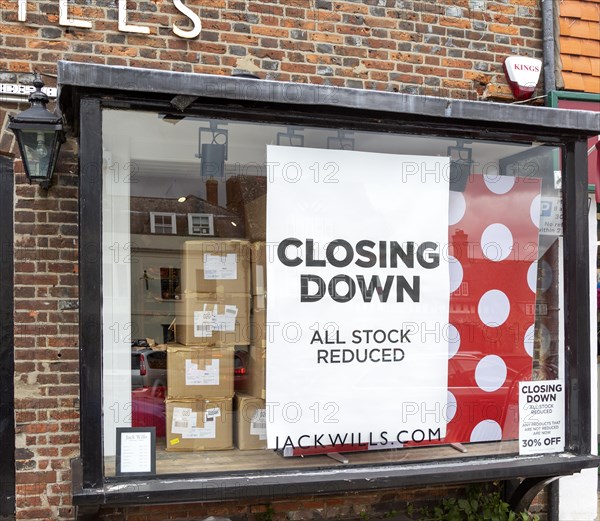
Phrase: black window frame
{"type": "Point", "coordinates": [87, 89]}
{"type": "Point", "coordinates": [7, 343]}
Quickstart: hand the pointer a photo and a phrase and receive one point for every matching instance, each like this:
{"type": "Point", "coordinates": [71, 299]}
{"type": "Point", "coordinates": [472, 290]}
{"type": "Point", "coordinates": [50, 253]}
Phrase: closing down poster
{"type": "Point", "coordinates": [358, 297]}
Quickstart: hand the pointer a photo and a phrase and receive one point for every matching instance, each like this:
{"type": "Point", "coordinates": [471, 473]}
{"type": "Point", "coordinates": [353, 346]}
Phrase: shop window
{"type": "Point", "coordinates": [163, 223]}
{"type": "Point", "coordinates": [378, 308]}
{"type": "Point", "coordinates": [200, 224]}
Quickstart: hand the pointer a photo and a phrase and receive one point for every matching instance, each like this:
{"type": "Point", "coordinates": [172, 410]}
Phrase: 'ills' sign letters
{"type": "Point", "coordinates": [67, 20]}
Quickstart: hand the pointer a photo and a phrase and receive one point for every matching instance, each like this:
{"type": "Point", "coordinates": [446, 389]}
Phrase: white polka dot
{"type": "Point", "coordinates": [534, 211]}
{"type": "Point", "coordinates": [528, 340]}
{"type": "Point", "coordinates": [453, 340]}
{"type": "Point", "coordinates": [547, 276]}
{"type": "Point", "coordinates": [496, 242]}
{"type": "Point", "coordinates": [490, 373]}
{"type": "Point", "coordinates": [456, 207]}
{"type": "Point", "coordinates": [451, 407]}
{"type": "Point", "coordinates": [456, 274]}
{"type": "Point", "coordinates": [486, 430]}
{"type": "Point", "coordinates": [493, 308]}
{"type": "Point", "coordinates": [532, 276]}
{"type": "Point", "coordinates": [498, 184]}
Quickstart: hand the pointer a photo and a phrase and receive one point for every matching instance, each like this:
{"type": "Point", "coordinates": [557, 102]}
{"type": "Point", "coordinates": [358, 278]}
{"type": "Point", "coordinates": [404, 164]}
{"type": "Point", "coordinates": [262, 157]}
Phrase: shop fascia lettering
{"type": "Point", "coordinates": [67, 20]}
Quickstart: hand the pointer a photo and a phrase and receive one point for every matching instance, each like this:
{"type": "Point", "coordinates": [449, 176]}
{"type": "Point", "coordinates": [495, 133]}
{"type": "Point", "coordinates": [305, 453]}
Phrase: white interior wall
{"type": "Point", "coordinates": [116, 279]}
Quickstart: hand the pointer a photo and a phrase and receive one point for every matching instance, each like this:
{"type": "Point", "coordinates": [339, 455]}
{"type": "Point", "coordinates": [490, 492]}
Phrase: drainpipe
{"type": "Point", "coordinates": [548, 38]}
{"type": "Point", "coordinates": [549, 86]}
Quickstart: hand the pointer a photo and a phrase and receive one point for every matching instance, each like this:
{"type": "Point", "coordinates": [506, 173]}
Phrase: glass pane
{"type": "Point", "coordinates": [402, 288]}
{"type": "Point", "coordinates": [38, 151]}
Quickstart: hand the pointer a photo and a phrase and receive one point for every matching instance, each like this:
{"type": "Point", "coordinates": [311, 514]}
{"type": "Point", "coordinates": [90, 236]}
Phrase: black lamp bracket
{"type": "Point", "coordinates": [219, 136]}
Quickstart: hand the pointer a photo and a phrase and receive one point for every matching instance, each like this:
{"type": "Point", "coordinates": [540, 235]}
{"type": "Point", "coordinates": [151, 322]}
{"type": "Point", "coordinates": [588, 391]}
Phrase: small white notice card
{"type": "Point", "coordinates": [136, 450]}
{"type": "Point", "coordinates": [541, 417]}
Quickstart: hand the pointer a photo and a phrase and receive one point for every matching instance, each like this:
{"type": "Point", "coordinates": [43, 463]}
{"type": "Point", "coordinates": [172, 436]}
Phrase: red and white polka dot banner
{"type": "Point", "coordinates": [493, 237]}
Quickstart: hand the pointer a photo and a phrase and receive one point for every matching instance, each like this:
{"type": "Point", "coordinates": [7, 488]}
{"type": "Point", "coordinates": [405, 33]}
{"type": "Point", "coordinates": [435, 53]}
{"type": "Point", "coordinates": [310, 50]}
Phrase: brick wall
{"type": "Point", "coordinates": [46, 342]}
{"type": "Point", "coordinates": [375, 506]}
{"type": "Point", "coordinates": [449, 48]}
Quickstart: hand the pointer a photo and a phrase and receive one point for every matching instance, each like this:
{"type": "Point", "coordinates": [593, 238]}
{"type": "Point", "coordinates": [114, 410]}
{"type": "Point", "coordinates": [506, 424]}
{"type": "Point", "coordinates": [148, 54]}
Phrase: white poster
{"type": "Point", "coordinates": [136, 452]}
{"type": "Point", "coordinates": [541, 417]}
{"type": "Point", "coordinates": [358, 298]}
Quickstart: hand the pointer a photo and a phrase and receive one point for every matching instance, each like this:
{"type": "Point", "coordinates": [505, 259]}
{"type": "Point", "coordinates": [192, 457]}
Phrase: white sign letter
{"type": "Point", "coordinates": [187, 33]}
{"type": "Point", "coordinates": [64, 19]}
{"type": "Point", "coordinates": [124, 26]}
{"type": "Point", "coordinates": [22, 16]}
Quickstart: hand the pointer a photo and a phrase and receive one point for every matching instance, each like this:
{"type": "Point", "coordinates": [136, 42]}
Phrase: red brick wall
{"type": "Point", "coordinates": [433, 48]}
{"type": "Point", "coordinates": [376, 506]}
{"type": "Point", "coordinates": [46, 342]}
{"type": "Point", "coordinates": [448, 48]}
{"type": "Point", "coordinates": [351, 506]}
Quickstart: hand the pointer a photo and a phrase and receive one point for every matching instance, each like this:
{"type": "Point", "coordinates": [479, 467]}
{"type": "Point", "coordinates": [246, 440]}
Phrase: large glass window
{"type": "Point", "coordinates": [273, 291]}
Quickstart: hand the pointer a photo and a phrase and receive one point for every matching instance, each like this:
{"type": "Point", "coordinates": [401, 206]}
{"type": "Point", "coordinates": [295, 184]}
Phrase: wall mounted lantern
{"type": "Point", "coordinates": [39, 134]}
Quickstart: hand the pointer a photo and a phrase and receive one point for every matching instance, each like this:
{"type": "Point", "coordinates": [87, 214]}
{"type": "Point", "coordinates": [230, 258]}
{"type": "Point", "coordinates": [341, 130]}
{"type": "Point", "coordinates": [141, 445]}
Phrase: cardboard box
{"type": "Point", "coordinates": [195, 425]}
{"type": "Point", "coordinates": [199, 372]}
{"type": "Point", "coordinates": [259, 274]}
{"type": "Point", "coordinates": [209, 319]}
{"type": "Point", "coordinates": [258, 327]}
{"type": "Point", "coordinates": [250, 428]}
{"type": "Point", "coordinates": [257, 372]}
{"type": "Point", "coordinates": [216, 266]}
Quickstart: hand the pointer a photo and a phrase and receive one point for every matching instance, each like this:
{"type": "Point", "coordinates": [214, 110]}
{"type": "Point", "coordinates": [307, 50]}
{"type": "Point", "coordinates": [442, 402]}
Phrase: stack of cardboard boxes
{"type": "Point", "coordinates": [256, 381]}
{"type": "Point", "coordinates": [212, 318]}
{"type": "Point", "coordinates": [250, 406]}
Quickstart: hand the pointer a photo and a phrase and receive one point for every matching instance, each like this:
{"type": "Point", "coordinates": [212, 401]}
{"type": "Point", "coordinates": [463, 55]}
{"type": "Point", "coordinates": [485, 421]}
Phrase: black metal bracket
{"type": "Point", "coordinates": [7, 367]}
{"type": "Point", "coordinates": [525, 493]}
{"type": "Point", "coordinates": [87, 513]}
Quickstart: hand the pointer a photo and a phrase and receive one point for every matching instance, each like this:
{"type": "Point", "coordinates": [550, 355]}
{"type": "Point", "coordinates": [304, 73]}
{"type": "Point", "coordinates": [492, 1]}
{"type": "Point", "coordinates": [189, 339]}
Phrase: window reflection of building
{"type": "Point", "coordinates": [163, 223]}
{"type": "Point", "coordinates": [157, 246]}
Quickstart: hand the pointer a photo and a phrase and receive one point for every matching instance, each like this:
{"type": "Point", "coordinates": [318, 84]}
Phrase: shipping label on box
{"type": "Point", "coordinates": [220, 267]}
{"type": "Point", "coordinates": [208, 319]}
{"type": "Point", "coordinates": [214, 318]}
{"type": "Point", "coordinates": [259, 273]}
{"type": "Point", "coordinates": [196, 375]}
{"type": "Point", "coordinates": [258, 424]}
{"type": "Point", "coordinates": [250, 430]}
{"type": "Point", "coordinates": [199, 372]}
{"type": "Point", "coordinates": [199, 424]}
{"type": "Point", "coordinates": [212, 266]}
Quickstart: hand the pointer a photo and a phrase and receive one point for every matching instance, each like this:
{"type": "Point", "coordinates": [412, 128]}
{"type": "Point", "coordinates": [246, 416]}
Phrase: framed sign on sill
{"type": "Point", "coordinates": [136, 451]}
